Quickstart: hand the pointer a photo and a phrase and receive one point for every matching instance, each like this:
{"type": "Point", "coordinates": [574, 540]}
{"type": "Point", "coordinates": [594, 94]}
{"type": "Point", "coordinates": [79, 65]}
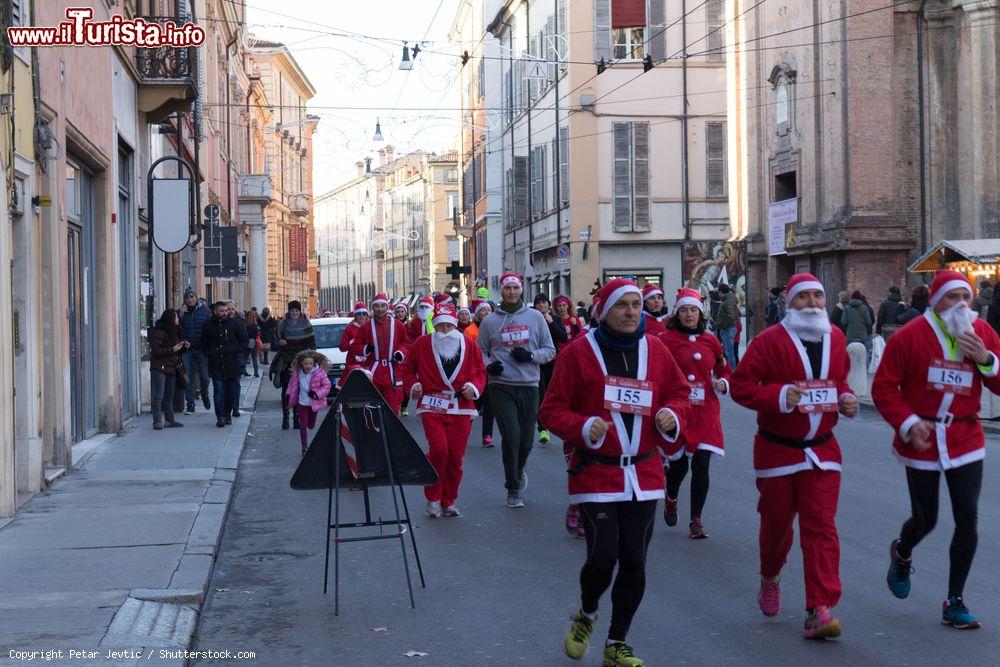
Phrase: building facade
{"type": "Point", "coordinates": [617, 173]}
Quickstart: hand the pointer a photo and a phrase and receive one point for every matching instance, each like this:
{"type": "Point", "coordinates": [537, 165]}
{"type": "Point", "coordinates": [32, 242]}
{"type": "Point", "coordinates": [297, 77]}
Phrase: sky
{"type": "Point", "coordinates": [353, 71]}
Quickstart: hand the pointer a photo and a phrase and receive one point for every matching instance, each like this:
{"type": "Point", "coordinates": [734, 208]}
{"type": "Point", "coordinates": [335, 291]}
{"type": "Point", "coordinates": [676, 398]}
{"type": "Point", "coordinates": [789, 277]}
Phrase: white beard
{"type": "Point", "coordinates": [448, 345]}
{"type": "Point", "coordinates": [424, 313]}
{"type": "Point", "coordinates": [809, 324]}
{"type": "Point", "coordinates": [958, 319]}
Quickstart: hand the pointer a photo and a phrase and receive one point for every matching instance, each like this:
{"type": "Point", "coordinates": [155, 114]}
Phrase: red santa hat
{"type": "Point", "coordinates": [380, 298]}
{"type": "Point", "coordinates": [800, 282]}
{"type": "Point", "coordinates": [426, 302]}
{"type": "Point", "coordinates": [359, 307]}
{"type": "Point", "coordinates": [401, 304]}
{"type": "Point", "coordinates": [688, 297]}
{"type": "Point", "coordinates": [562, 298]}
{"type": "Point", "coordinates": [651, 289]}
{"type": "Point", "coordinates": [610, 294]}
{"type": "Point", "coordinates": [466, 310]}
{"type": "Point", "coordinates": [946, 281]}
{"type": "Point", "coordinates": [444, 313]}
{"type": "Point", "coordinates": [443, 298]}
{"type": "Point", "coordinates": [479, 305]}
{"type": "Point", "coordinates": [511, 279]}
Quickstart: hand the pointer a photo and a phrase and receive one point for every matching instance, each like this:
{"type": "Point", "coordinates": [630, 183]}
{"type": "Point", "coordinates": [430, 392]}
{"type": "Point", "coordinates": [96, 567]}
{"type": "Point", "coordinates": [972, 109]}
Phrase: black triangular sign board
{"type": "Point", "coordinates": [359, 401]}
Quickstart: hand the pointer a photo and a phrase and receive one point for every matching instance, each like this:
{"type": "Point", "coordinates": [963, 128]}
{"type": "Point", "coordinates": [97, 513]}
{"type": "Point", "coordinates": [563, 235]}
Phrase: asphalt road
{"type": "Point", "coordinates": [501, 584]}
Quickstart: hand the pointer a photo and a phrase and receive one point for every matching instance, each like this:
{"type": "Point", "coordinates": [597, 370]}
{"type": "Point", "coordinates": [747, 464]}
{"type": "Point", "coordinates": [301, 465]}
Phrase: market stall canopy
{"type": "Point", "coordinates": [965, 255]}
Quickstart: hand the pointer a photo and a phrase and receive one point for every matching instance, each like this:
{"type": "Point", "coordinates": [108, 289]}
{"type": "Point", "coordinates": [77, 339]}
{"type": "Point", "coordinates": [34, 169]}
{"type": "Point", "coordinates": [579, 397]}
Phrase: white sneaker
{"type": "Point", "coordinates": [514, 500]}
{"type": "Point", "coordinates": [433, 510]}
{"type": "Point", "coordinates": [451, 511]}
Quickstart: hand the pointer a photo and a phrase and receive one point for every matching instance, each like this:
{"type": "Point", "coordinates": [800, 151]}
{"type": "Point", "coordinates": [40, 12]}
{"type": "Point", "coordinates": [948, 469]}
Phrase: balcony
{"type": "Point", "coordinates": [255, 189]}
{"type": "Point", "coordinates": [298, 204]}
{"type": "Point", "coordinates": [167, 77]}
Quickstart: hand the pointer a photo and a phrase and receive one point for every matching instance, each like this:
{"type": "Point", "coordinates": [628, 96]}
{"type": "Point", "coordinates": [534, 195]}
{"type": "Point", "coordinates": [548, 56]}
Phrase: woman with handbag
{"type": "Point", "coordinates": [165, 347]}
{"type": "Point", "coordinates": [253, 339]}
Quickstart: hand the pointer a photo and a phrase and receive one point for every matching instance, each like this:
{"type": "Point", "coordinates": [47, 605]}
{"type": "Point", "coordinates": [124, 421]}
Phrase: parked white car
{"type": "Point", "coordinates": [328, 332]}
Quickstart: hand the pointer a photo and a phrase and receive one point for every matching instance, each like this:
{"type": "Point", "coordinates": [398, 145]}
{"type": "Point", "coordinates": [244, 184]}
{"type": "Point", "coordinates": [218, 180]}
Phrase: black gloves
{"type": "Point", "coordinates": [495, 369]}
{"type": "Point", "coordinates": [313, 395]}
{"type": "Point", "coordinates": [397, 356]}
{"type": "Point", "coordinates": [521, 355]}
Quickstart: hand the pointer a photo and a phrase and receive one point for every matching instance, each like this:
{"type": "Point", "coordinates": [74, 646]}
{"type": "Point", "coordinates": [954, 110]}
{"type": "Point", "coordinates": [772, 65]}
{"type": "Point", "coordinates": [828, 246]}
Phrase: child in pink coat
{"type": "Point", "coordinates": [308, 389]}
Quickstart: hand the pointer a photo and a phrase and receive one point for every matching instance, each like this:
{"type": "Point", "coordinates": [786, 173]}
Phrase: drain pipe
{"type": "Point", "coordinates": [685, 177]}
{"type": "Point", "coordinates": [922, 123]}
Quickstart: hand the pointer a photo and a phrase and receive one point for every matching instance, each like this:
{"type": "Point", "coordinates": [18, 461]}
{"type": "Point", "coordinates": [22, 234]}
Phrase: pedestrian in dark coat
{"type": "Point", "coordinates": [165, 347]}
{"type": "Point", "coordinates": [223, 341]}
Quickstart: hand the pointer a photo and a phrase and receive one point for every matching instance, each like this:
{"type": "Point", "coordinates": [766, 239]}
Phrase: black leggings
{"type": "Point", "coordinates": [545, 372]}
{"type": "Point", "coordinates": [616, 532]}
{"type": "Point", "coordinates": [699, 479]}
{"type": "Point", "coordinates": [486, 412]}
{"type": "Point", "coordinates": [964, 484]}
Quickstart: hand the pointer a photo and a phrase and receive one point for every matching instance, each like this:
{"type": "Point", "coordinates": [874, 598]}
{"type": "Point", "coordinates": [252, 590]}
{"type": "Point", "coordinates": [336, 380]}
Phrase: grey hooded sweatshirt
{"type": "Point", "coordinates": [525, 322]}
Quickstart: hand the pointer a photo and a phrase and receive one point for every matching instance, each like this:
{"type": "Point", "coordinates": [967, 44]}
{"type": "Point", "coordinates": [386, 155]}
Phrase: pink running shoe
{"type": "Point", "coordinates": [572, 519]}
{"type": "Point", "coordinates": [488, 441]}
{"type": "Point", "coordinates": [769, 597]}
{"type": "Point", "coordinates": [820, 624]}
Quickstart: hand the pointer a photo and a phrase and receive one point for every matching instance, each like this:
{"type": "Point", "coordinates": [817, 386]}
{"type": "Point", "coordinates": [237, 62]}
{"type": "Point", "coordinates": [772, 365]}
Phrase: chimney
{"type": "Point", "coordinates": [386, 155]}
{"type": "Point", "coordinates": [360, 164]}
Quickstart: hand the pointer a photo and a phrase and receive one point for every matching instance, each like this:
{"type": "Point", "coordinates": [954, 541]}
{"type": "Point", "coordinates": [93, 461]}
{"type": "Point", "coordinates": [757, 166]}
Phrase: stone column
{"type": "Point", "coordinates": [941, 93]}
{"type": "Point", "coordinates": [982, 38]}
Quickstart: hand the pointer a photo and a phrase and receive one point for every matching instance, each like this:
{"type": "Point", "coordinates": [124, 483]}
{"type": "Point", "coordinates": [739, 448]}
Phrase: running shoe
{"type": "Point", "coordinates": [450, 511]}
{"type": "Point", "coordinates": [433, 510]}
{"type": "Point", "coordinates": [619, 654]}
{"type": "Point", "coordinates": [488, 442]}
{"type": "Point", "coordinates": [899, 573]}
{"type": "Point", "coordinates": [522, 481]}
{"type": "Point", "coordinates": [544, 437]}
{"type": "Point", "coordinates": [189, 409]}
{"type": "Point", "coordinates": [572, 519]}
{"type": "Point", "coordinates": [207, 403]}
{"type": "Point", "coordinates": [820, 624]}
{"type": "Point", "coordinates": [697, 530]}
{"type": "Point", "coordinates": [957, 615]}
{"type": "Point", "coordinates": [514, 501]}
{"type": "Point", "coordinates": [404, 413]}
{"type": "Point", "coordinates": [670, 512]}
{"type": "Point", "coordinates": [769, 597]}
{"type": "Point", "coordinates": [580, 532]}
{"type": "Point", "coordinates": [577, 640]}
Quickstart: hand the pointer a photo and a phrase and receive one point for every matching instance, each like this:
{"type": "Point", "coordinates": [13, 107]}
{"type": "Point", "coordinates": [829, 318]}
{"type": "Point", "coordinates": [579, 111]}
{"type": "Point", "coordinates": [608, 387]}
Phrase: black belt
{"type": "Point", "coordinates": [792, 442]}
{"type": "Point", "coordinates": [586, 458]}
{"type": "Point", "coordinates": [949, 418]}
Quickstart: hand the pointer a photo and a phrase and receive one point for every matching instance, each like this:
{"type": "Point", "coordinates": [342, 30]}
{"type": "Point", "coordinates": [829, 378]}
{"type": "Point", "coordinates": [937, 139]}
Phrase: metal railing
{"type": "Point", "coordinates": [165, 62]}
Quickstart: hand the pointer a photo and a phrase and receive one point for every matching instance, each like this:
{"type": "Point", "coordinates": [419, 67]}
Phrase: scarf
{"type": "Point", "coordinates": [512, 309]}
{"type": "Point", "coordinates": [619, 342]}
{"type": "Point", "coordinates": [296, 329]}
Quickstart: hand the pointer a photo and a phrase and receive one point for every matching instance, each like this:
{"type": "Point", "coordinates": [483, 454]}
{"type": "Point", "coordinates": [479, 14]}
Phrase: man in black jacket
{"type": "Point", "coordinates": [558, 332]}
{"type": "Point", "coordinates": [222, 341]}
{"type": "Point", "coordinates": [889, 310]}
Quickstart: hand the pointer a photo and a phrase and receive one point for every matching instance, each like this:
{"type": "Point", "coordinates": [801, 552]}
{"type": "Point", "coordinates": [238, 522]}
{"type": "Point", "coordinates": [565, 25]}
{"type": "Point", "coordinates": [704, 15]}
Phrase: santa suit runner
{"type": "Point", "coordinates": [699, 357]}
{"type": "Point", "coordinates": [353, 360]}
{"type": "Point", "coordinates": [576, 398]}
{"type": "Point", "coordinates": [378, 342]}
{"type": "Point", "coordinates": [776, 359]}
{"type": "Point", "coordinates": [923, 376]}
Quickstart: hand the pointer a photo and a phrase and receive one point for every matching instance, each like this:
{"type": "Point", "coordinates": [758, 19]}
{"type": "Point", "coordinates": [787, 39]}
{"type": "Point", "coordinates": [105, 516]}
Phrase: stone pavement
{"type": "Point", "coordinates": [117, 555]}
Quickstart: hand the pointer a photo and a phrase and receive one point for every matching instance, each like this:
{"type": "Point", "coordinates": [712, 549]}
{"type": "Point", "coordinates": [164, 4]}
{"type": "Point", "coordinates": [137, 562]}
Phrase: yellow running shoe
{"type": "Point", "coordinates": [619, 654]}
{"type": "Point", "coordinates": [577, 640]}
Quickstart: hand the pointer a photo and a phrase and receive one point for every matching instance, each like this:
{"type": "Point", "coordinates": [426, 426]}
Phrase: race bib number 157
{"type": "Point", "coordinates": [817, 396]}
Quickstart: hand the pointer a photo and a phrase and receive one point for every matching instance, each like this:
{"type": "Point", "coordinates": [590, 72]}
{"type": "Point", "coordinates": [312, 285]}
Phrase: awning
{"type": "Point", "coordinates": [962, 255]}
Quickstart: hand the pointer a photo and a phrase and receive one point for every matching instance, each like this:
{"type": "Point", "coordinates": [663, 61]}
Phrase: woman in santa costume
{"type": "Point", "coordinates": [574, 329]}
{"type": "Point", "coordinates": [351, 332]}
{"type": "Point", "coordinates": [420, 323]}
{"type": "Point", "coordinates": [700, 357]}
{"type": "Point", "coordinates": [382, 343]}
{"type": "Point", "coordinates": [402, 313]}
{"type": "Point", "coordinates": [653, 305]}
{"type": "Point", "coordinates": [795, 377]}
{"type": "Point", "coordinates": [444, 374]}
{"type": "Point", "coordinates": [617, 397]}
{"type": "Point", "coordinates": [928, 387]}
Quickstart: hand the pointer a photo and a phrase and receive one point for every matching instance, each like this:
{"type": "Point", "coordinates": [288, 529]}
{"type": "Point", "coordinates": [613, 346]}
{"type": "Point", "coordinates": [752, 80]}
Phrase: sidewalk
{"type": "Point", "coordinates": [118, 554]}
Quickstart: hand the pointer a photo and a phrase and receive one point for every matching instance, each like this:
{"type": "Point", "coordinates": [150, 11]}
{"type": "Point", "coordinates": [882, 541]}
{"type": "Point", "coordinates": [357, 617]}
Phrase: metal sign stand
{"type": "Point", "coordinates": [402, 523]}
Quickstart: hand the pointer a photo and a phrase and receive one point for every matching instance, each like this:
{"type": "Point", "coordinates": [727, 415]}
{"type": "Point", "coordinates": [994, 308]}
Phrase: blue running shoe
{"type": "Point", "coordinates": [957, 615]}
{"type": "Point", "coordinates": [899, 573]}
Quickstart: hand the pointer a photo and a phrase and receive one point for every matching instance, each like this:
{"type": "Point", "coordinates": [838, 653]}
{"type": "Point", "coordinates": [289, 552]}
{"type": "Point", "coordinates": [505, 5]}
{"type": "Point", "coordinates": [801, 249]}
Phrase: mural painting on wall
{"type": "Point", "coordinates": [708, 264]}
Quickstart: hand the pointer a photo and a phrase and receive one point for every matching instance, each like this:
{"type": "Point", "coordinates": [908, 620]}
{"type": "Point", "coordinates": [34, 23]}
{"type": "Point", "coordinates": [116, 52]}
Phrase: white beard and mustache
{"type": "Point", "coordinates": [424, 313]}
{"type": "Point", "coordinates": [958, 319]}
{"type": "Point", "coordinates": [809, 324]}
{"type": "Point", "coordinates": [448, 345]}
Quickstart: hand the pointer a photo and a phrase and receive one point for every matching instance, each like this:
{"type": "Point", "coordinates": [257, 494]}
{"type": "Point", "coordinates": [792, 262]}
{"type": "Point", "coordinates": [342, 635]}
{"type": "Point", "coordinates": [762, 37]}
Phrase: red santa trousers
{"type": "Point", "coordinates": [813, 495]}
{"type": "Point", "coordinates": [392, 394]}
{"type": "Point", "coordinates": [447, 437]}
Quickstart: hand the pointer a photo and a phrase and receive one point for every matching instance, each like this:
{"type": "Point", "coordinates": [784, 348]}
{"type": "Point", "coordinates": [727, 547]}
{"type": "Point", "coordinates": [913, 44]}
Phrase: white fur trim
{"type": "Point", "coordinates": [378, 301]}
{"type": "Point", "coordinates": [677, 428]}
{"type": "Point", "coordinates": [444, 319]}
{"type": "Point", "coordinates": [717, 452]}
{"type": "Point", "coordinates": [474, 390]}
{"type": "Point", "coordinates": [586, 434]}
{"type": "Point", "coordinates": [783, 400]}
{"type": "Point", "coordinates": [904, 428]}
{"type": "Point", "coordinates": [994, 369]}
{"type": "Point", "coordinates": [947, 287]}
{"type": "Point", "coordinates": [808, 284]}
{"type": "Point", "coordinates": [511, 280]}
{"type": "Point", "coordinates": [616, 296]}
{"type": "Point", "coordinates": [689, 301]}
{"type": "Point", "coordinates": [656, 292]}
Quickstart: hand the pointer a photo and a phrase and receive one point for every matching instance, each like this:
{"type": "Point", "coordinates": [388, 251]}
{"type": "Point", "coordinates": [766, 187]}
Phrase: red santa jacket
{"type": "Point", "coordinates": [699, 358]}
{"type": "Point", "coordinates": [775, 360]}
{"type": "Point", "coordinates": [353, 360]}
{"type": "Point", "coordinates": [902, 394]}
{"type": "Point", "coordinates": [415, 328]}
{"type": "Point", "coordinates": [377, 343]}
{"type": "Point", "coordinates": [423, 365]}
{"type": "Point", "coordinates": [575, 399]}
{"type": "Point", "coordinates": [574, 329]}
{"type": "Point", "coordinates": [655, 326]}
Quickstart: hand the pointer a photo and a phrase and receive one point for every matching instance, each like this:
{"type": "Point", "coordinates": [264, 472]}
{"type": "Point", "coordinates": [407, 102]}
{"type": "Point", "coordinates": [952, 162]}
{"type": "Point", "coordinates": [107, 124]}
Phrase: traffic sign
{"type": "Point", "coordinates": [536, 71]}
{"type": "Point", "coordinates": [562, 251]}
{"type": "Point", "coordinates": [212, 211]}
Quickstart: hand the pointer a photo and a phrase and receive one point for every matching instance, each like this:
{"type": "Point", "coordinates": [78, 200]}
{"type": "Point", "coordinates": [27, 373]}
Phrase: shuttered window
{"type": "Point", "coordinates": [715, 159]}
{"type": "Point", "coordinates": [564, 164]}
{"type": "Point", "coordinates": [631, 177]}
{"type": "Point", "coordinates": [716, 40]}
{"type": "Point", "coordinates": [520, 190]}
{"type": "Point", "coordinates": [562, 31]}
{"type": "Point", "coordinates": [656, 29]}
{"type": "Point", "coordinates": [538, 166]}
{"type": "Point", "coordinates": [602, 30]}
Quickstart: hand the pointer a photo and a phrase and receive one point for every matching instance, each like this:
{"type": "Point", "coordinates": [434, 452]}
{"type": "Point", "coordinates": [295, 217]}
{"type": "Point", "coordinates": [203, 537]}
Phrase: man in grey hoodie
{"type": "Point", "coordinates": [516, 341]}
